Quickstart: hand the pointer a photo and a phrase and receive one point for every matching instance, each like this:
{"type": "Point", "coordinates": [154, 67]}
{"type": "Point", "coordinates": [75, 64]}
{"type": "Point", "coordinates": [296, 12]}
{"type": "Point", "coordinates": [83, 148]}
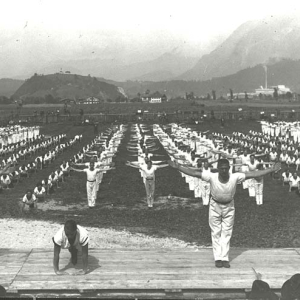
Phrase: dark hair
{"type": "Point", "coordinates": [291, 288]}
{"type": "Point", "coordinates": [223, 161]}
{"type": "Point", "coordinates": [71, 225]}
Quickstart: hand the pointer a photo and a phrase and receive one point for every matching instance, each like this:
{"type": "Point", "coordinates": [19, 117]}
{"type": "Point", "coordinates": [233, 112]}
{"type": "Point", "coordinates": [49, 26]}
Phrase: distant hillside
{"type": "Point", "coordinates": [254, 42]}
{"type": "Point", "coordinates": [9, 86]}
{"type": "Point", "coordinates": [165, 67]}
{"type": "Point", "coordinates": [67, 86]}
{"type": "Point", "coordinates": [285, 72]}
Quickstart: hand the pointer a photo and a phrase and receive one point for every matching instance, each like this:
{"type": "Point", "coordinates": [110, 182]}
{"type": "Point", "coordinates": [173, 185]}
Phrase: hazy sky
{"type": "Point", "coordinates": [71, 29]}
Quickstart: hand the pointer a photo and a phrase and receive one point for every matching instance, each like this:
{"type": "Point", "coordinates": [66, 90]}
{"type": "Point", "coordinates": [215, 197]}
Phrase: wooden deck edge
{"type": "Point", "coordinates": [187, 249]}
{"type": "Point", "coordinates": [223, 294]}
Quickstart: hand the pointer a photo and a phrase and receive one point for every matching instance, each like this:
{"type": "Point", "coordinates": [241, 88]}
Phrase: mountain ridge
{"type": "Point", "coordinates": [252, 43]}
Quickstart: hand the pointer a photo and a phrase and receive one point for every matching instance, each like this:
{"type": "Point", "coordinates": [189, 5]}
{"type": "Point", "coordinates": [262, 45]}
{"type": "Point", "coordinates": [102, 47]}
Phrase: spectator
{"type": "Point", "coordinates": [291, 288]}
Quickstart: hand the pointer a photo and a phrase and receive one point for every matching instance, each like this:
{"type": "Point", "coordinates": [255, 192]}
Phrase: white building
{"type": "Point", "coordinates": [90, 100]}
{"type": "Point", "coordinates": [281, 89]}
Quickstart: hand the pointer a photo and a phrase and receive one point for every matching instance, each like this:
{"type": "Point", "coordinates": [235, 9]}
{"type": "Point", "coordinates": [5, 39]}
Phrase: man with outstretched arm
{"type": "Point", "coordinates": [72, 237]}
{"type": "Point", "coordinates": [91, 186]}
{"type": "Point", "coordinates": [148, 170]}
{"type": "Point", "coordinates": [221, 209]}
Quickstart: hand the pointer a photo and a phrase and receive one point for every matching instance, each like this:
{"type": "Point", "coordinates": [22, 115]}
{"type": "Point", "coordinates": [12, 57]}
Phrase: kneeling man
{"type": "Point", "coordinates": [72, 237]}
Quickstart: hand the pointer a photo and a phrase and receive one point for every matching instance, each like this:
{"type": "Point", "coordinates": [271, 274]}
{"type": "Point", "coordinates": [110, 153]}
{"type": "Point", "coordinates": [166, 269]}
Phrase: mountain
{"type": "Point", "coordinates": [164, 67]}
{"type": "Point", "coordinates": [285, 72]}
{"type": "Point", "coordinates": [67, 86]}
{"type": "Point", "coordinates": [9, 86]}
{"type": "Point", "coordinates": [254, 42]}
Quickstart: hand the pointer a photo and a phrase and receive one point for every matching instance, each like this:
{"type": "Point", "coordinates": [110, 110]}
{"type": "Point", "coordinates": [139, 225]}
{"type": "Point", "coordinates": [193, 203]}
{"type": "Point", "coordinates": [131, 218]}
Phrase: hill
{"type": "Point", "coordinates": [67, 86]}
{"type": "Point", "coordinates": [285, 72]}
{"type": "Point", "coordinates": [254, 42]}
{"type": "Point", "coordinates": [9, 86]}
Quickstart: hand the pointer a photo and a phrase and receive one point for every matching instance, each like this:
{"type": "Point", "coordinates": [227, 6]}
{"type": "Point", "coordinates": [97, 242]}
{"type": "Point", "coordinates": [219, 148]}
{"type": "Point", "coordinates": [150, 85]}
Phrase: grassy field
{"type": "Point", "coordinates": [169, 107]}
{"type": "Point", "coordinates": [121, 202]}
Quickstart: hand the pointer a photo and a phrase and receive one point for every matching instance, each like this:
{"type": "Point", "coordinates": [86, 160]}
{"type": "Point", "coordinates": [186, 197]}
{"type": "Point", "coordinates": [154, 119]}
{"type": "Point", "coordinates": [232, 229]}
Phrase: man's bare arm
{"type": "Point", "coordinates": [56, 261]}
{"type": "Point", "coordinates": [254, 174]}
{"type": "Point", "coordinates": [186, 170]}
{"type": "Point", "coordinates": [77, 170]}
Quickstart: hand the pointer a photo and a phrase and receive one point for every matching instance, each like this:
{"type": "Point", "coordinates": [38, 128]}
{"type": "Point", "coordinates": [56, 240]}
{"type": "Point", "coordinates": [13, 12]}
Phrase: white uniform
{"type": "Point", "coordinates": [91, 186]}
{"type": "Point", "coordinates": [149, 175]}
{"type": "Point", "coordinates": [221, 212]}
{"type": "Point", "coordinates": [205, 187]}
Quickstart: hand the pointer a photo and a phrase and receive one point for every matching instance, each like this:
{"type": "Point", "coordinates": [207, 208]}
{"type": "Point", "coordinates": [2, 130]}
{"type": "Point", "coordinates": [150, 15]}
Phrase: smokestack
{"type": "Point", "coordinates": [266, 76]}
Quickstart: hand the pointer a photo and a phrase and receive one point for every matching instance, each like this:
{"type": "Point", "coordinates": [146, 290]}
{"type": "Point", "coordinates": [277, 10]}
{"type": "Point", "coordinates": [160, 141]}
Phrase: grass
{"type": "Point", "coordinates": [169, 107]}
{"type": "Point", "coordinates": [121, 203]}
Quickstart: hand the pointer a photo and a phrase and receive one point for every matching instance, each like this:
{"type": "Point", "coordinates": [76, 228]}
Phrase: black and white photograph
{"type": "Point", "coordinates": [150, 149]}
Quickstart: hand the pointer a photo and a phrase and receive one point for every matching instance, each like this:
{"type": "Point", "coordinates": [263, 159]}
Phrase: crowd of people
{"type": "Point", "coordinates": [16, 160]}
{"type": "Point", "coordinates": [212, 164]}
{"type": "Point", "coordinates": [14, 134]}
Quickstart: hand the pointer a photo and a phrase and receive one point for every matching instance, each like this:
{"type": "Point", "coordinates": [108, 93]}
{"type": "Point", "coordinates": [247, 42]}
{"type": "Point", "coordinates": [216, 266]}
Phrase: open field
{"type": "Point", "coordinates": [121, 203]}
{"type": "Point", "coordinates": [169, 107]}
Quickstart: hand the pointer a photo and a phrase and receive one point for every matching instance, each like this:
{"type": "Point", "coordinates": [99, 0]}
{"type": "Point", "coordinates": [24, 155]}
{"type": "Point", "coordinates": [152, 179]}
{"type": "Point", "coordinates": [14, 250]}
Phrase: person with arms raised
{"type": "Point", "coordinates": [221, 208]}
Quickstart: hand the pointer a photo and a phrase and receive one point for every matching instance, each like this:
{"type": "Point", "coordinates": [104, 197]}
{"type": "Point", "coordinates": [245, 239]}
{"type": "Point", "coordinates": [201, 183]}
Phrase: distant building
{"type": "Point", "coordinates": [90, 100]}
{"type": "Point", "coordinates": [241, 95]}
{"type": "Point", "coordinates": [156, 97]}
{"type": "Point", "coordinates": [281, 89]}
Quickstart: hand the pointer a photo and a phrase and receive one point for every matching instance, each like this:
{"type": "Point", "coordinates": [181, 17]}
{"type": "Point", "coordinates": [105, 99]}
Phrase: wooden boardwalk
{"type": "Point", "coordinates": [146, 273]}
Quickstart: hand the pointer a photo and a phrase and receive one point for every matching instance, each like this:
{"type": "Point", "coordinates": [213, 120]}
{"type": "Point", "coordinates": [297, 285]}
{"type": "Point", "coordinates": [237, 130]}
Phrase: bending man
{"type": "Point", "coordinates": [73, 237]}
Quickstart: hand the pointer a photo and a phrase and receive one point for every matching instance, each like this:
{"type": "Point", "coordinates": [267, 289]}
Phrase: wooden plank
{"type": "Point", "coordinates": [9, 272]}
{"type": "Point", "coordinates": [232, 278]}
{"type": "Point", "coordinates": [154, 269]}
{"type": "Point", "coordinates": [133, 256]}
{"type": "Point", "coordinates": [175, 251]}
{"type": "Point", "coordinates": [115, 283]}
{"type": "Point", "coordinates": [171, 267]}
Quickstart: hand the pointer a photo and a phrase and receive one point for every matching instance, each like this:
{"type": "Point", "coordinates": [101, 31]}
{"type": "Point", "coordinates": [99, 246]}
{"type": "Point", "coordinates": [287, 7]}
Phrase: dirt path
{"type": "Point", "coordinates": [38, 234]}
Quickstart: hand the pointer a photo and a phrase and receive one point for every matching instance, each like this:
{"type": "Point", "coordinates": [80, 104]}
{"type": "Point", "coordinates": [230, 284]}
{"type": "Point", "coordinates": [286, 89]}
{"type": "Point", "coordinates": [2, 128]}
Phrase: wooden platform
{"type": "Point", "coordinates": [146, 273]}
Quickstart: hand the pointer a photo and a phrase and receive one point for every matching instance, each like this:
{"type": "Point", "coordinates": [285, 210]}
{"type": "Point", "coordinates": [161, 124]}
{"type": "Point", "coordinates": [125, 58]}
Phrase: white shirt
{"type": "Point", "coordinates": [91, 175]}
{"type": "Point", "coordinates": [294, 182]}
{"type": "Point", "coordinates": [286, 178]}
{"type": "Point", "coordinates": [253, 166]}
{"type": "Point", "coordinates": [245, 158]}
{"type": "Point", "coordinates": [81, 239]}
{"type": "Point", "coordinates": [39, 192]}
{"type": "Point", "coordinates": [148, 173]}
{"type": "Point", "coordinates": [64, 168]}
{"type": "Point", "coordinates": [5, 180]}
{"type": "Point", "coordinates": [283, 157]}
{"type": "Point", "coordinates": [273, 155]}
{"type": "Point", "coordinates": [54, 178]}
{"type": "Point", "coordinates": [29, 201]}
{"type": "Point", "coordinates": [223, 192]}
